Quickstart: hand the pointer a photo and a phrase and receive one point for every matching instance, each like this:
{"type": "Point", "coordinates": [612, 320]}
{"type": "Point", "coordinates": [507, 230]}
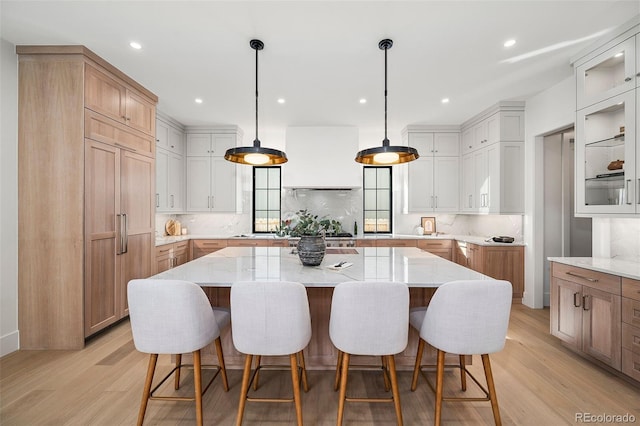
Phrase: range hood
{"type": "Point", "coordinates": [322, 158]}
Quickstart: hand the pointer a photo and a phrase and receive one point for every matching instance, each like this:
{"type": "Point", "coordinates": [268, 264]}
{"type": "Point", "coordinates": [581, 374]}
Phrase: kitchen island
{"type": "Point", "coordinates": [423, 272]}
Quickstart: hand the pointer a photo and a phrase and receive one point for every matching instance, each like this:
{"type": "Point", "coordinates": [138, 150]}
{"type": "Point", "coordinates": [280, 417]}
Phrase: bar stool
{"type": "Point", "coordinates": [175, 317]}
{"type": "Point", "coordinates": [271, 319]}
{"type": "Point", "coordinates": [464, 318]}
{"type": "Point", "coordinates": [369, 318]}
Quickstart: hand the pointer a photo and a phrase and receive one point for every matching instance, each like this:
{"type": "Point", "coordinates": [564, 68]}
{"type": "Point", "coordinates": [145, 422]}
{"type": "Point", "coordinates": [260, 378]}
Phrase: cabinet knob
{"type": "Point", "coordinates": [638, 75]}
{"type": "Point", "coordinates": [470, 146]}
{"type": "Point", "coordinates": [627, 79]}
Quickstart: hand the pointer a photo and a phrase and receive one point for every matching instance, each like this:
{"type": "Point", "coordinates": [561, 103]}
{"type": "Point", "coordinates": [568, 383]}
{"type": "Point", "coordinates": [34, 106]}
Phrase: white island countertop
{"type": "Point", "coordinates": [412, 266]}
{"type": "Point", "coordinates": [623, 268]}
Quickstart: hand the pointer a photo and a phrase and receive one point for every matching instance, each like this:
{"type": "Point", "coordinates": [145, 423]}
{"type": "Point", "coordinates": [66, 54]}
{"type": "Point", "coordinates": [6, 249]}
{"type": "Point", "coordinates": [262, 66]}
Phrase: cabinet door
{"type": "Point", "coordinates": [423, 142]}
{"type": "Point", "coordinates": [446, 144]}
{"type": "Point", "coordinates": [102, 202]}
{"type": "Point", "coordinates": [601, 326]}
{"type": "Point", "coordinates": [162, 135]}
{"type": "Point", "coordinates": [163, 258]}
{"type": "Point", "coordinates": [481, 173]}
{"type": "Point", "coordinates": [468, 198]}
{"type": "Point", "coordinates": [198, 184]}
{"type": "Point", "coordinates": [566, 312]}
{"type": "Point", "coordinates": [506, 177]}
{"type": "Point", "coordinates": [505, 263]}
{"type": "Point", "coordinates": [140, 113]}
{"type": "Point", "coordinates": [176, 141]}
{"type": "Point", "coordinates": [162, 180]}
{"type": "Point", "coordinates": [475, 258]}
{"type": "Point", "coordinates": [104, 95]}
{"type": "Point", "coordinates": [220, 144]}
{"type": "Point", "coordinates": [608, 74]}
{"type": "Point", "coordinates": [446, 184]}
{"type": "Point", "coordinates": [223, 184]}
{"type": "Point", "coordinates": [175, 183]}
{"type": "Point", "coordinates": [420, 185]}
{"type": "Point", "coordinates": [468, 143]}
{"type": "Point", "coordinates": [181, 253]}
{"type": "Point", "coordinates": [136, 201]}
{"type": "Point", "coordinates": [480, 134]}
{"type": "Point", "coordinates": [600, 141]}
{"type": "Point", "coordinates": [199, 145]}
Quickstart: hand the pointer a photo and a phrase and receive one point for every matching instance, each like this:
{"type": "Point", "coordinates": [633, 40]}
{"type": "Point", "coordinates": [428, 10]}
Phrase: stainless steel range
{"type": "Point", "coordinates": [344, 239]}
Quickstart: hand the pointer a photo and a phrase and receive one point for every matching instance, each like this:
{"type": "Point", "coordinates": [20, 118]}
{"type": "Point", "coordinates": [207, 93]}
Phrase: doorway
{"type": "Point", "coordinates": [564, 234]}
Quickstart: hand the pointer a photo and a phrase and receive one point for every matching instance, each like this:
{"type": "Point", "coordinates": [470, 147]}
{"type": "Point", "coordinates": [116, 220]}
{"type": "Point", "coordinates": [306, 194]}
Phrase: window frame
{"type": "Point", "coordinates": [253, 198]}
{"type": "Point", "coordinates": [364, 200]}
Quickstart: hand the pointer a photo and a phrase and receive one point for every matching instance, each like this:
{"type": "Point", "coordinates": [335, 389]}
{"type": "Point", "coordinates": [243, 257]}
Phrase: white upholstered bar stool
{"type": "Point", "coordinates": [271, 318]}
{"type": "Point", "coordinates": [464, 318]}
{"type": "Point", "coordinates": [369, 318]}
{"type": "Point", "coordinates": [175, 317]}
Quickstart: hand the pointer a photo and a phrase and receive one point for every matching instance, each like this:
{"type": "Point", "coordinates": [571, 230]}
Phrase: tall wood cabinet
{"type": "Point", "coordinates": [86, 182]}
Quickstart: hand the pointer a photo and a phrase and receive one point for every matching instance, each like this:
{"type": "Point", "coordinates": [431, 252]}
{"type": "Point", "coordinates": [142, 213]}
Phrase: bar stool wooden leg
{"type": "Point", "coordinates": [439, 385]}
{"type": "Point", "coordinates": [178, 364]}
{"type": "Point", "coordinates": [385, 373]}
{"type": "Point", "coordinates": [416, 368]}
{"type": "Point", "coordinates": [197, 378]}
{"type": "Point", "coordinates": [255, 379]}
{"type": "Point", "coordinates": [391, 361]}
{"type": "Point", "coordinates": [153, 359]}
{"type": "Point", "coordinates": [295, 379]}
{"type": "Point", "coordinates": [463, 373]}
{"type": "Point", "coordinates": [223, 369]}
{"type": "Point", "coordinates": [305, 382]}
{"type": "Point", "coordinates": [336, 383]}
{"type": "Point", "coordinates": [343, 386]}
{"type": "Point", "coordinates": [246, 375]}
{"type": "Point", "coordinates": [492, 390]}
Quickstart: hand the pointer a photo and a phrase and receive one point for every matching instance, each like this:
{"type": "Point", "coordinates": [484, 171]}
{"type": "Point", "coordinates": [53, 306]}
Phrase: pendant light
{"type": "Point", "coordinates": [386, 154]}
{"type": "Point", "coordinates": [256, 155]}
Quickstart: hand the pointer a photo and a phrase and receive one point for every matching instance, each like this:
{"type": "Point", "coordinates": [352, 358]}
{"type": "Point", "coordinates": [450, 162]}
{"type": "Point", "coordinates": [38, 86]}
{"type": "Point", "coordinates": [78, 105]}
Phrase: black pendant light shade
{"type": "Point", "coordinates": [386, 154]}
{"type": "Point", "coordinates": [256, 155]}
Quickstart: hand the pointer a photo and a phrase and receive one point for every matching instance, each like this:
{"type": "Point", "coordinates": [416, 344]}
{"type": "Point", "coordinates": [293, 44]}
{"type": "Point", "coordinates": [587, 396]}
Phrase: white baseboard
{"type": "Point", "coordinates": [9, 343]}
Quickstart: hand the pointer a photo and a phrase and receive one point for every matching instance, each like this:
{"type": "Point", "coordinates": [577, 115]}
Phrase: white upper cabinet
{"type": "Point", "coordinates": [607, 74]}
{"type": "Point", "coordinates": [170, 166]}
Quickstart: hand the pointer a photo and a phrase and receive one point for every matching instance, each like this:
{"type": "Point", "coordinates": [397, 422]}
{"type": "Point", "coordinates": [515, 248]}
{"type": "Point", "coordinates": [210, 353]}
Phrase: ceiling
{"type": "Point", "coordinates": [322, 57]}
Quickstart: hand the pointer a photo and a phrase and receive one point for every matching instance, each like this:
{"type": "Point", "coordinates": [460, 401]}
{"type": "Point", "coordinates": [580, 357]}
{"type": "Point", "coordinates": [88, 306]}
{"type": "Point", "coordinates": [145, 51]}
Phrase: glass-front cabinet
{"type": "Point", "coordinates": [606, 163]}
{"type": "Point", "coordinates": [608, 74]}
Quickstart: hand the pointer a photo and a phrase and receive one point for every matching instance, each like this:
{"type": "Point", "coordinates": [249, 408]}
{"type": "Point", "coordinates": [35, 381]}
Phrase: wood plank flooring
{"type": "Point", "coordinates": [538, 382]}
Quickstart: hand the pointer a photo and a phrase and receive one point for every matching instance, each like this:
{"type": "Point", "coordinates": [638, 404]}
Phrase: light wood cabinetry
{"type": "Point", "coordinates": [492, 175]}
{"type": "Point", "coordinates": [586, 312]}
{"type": "Point", "coordinates": [631, 328]}
{"type": "Point", "coordinates": [499, 262]}
{"type": "Point", "coordinates": [433, 180]}
{"type": "Point", "coordinates": [607, 108]}
{"type": "Point", "coordinates": [211, 180]}
{"type": "Point", "coordinates": [80, 165]}
{"type": "Point", "coordinates": [442, 248]}
{"type": "Point", "coordinates": [201, 248]}
{"type": "Point", "coordinates": [171, 255]}
{"type": "Point", "coordinates": [170, 167]}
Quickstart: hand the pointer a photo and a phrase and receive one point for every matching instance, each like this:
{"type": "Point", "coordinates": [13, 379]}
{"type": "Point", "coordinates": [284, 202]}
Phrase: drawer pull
{"type": "Point", "coordinates": [593, 280]}
{"type": "Point", "coordinates": [576, 300]}
{"type": "Point", "coordinates": [584, 303]}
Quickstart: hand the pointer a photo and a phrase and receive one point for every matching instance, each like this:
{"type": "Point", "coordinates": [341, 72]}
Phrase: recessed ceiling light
{"type": "Point", "coordinates": [445, 100]}
{"type": "Point", "coordinates": [509, 43]}
{"type": "Point", "coordinates": [281, 100]}
{"type": "Point", "coordinates": [617, 55]}
{"type": "Point", "coordinates": [363, 101]}
{"type": "Point", "coordinates": [198, 100]}
{"type": "Point", "coordinates": [135, 45]}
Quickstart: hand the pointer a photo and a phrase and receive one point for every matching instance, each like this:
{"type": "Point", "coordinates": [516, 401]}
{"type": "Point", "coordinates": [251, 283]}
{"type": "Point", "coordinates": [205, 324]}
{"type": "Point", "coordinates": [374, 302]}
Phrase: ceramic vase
{"type": "Point", "coordinates": [311, 249]}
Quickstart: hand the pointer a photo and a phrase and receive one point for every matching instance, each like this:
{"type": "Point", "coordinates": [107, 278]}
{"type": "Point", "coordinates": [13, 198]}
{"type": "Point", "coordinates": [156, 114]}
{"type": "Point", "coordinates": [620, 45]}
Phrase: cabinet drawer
{"type": "Point", "coordinates": [103, 129]}
{"type": "Point", "coordinates": [587, 277]}
{"type": "Point", "coordinates": [247, 243]}
{"type": "Point", "coordinates": [164, 250]}
{"type": "Point", "coordinates": [434, 244]}
{"type": "Point", "coordinates": [631, 338]}
{"type": "Point", "coordinates": [631, 311]}
{"type": "Point", "coordinates": [181, 247]}
{"type": "Point", "coordinates": [280, 243]}
{"type": "Point", "coordinates": [631, 364]}
{"type": "Point", "coordinates": [366, 243]}
{"type": "Point", "coordinates": [395, 243]}
{"type": "Point", "coordinates": [631, 288]}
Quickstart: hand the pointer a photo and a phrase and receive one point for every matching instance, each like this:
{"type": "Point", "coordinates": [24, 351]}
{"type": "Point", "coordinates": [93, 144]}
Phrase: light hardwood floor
{"type": "Point", "coordinates": [538, 381]}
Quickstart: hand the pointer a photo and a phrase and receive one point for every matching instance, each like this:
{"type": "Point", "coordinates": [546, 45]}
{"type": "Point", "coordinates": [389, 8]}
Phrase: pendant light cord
{"type": "Point", "coordinates": [385, 141]}
{"type": "Point", "coordinates": [257, 141]}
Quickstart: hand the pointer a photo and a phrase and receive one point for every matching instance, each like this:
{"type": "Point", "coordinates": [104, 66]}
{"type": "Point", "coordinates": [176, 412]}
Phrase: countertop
{"type": "Point", "coordinates": [409, 265]}
{"type": "Point", "coordinates": [463, 238]}
{"type": "Point", "coordinates": [623, 268]}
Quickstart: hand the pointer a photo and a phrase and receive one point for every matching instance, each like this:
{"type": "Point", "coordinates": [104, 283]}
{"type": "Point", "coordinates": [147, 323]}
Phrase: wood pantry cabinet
{"type": "Point", "coordinates": [81, 169]}
{"type": "Point", "coordinates": [211, 180]}
{"type": "Point", "coordinates": [585, 312]}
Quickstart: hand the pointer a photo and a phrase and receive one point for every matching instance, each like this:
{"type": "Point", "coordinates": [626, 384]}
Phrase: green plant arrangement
{"type": "Point", "coordinates": [307, 223]}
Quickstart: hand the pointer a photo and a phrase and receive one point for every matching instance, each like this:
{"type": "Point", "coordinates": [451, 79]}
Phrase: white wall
{"type": "Point", "coordinates": [9, 337]}
{"type": "Point", "coordinates": [619, 238]}
{"type": "Point", "coordinates": [545, 113]}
